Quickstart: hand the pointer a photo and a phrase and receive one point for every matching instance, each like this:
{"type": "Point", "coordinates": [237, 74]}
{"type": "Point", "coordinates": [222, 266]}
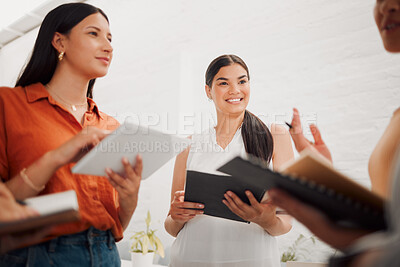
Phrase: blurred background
{"type": "Point", "coordinates": [323, 57]}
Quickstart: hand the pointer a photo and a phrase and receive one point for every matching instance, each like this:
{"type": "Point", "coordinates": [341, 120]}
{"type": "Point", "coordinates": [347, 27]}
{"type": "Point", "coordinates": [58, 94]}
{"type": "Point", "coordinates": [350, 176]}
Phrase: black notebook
{"type": "Point", "coordinates": [315, 182]}
{"type": "Point", "coordinates": [209, 189]}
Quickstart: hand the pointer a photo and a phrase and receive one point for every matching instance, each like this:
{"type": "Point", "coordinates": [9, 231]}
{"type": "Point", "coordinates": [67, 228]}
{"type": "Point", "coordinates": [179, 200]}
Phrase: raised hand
{"type": "Point", "coordinates": [302, 143]}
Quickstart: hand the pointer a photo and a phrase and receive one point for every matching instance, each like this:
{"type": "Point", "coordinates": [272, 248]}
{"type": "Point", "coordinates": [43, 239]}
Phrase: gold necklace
{"type": "Point", "coordinates": [73, 106]}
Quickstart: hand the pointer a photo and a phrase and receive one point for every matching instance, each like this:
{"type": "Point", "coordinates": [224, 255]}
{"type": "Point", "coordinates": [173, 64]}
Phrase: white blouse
{"type": "Point", "coordinates": [207, 241]}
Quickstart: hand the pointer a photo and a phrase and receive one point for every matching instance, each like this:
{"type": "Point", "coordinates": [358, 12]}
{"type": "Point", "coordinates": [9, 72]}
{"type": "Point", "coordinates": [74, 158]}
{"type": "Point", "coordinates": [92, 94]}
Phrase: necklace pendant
{"type": "Point", "coordinates": [73, 107]}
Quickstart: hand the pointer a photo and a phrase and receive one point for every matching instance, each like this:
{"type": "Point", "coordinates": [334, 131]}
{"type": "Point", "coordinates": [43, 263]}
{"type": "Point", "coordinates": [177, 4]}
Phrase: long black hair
{"type": "Point", "coordinates": [256, 136]}
{"type": "Point", "coordinates": [43, 62]}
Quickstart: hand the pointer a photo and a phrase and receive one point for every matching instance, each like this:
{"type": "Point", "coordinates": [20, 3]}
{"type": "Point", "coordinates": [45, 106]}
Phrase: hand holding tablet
{"type": "Point", "coordinates": [155, 147]}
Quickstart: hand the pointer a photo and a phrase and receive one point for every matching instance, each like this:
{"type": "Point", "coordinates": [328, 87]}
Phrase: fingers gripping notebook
{"type": "Point", "coordinates": [155, 147]}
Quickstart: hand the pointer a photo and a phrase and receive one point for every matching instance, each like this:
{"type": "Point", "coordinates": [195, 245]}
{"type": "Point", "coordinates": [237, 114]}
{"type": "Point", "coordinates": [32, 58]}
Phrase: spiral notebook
{"type": "Point", "coordinates": [312, 180]}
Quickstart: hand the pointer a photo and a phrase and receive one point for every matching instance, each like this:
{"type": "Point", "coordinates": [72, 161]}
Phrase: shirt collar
{"type": "Point", "coordinates": [37, 91]}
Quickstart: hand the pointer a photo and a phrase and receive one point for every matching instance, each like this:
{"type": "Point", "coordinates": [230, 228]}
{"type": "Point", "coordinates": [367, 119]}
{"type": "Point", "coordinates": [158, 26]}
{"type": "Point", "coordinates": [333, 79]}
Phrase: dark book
{"type": "Point", "coordinates": [314, 181]}
{"type": "Point", "coordinates": [209, 189]}
{"type": "Point", "coordinates": [53, 209]}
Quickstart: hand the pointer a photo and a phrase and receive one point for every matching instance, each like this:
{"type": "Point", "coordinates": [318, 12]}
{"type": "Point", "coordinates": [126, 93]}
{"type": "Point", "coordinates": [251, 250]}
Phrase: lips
{"type": "Point", "coordinates": [105, 60]}
{"type": "Point", "coordinates": [390, 25]}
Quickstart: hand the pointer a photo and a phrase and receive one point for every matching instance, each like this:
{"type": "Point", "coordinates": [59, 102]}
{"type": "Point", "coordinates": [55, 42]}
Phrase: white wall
{"type": "Point", "coordinates": [324, 57]}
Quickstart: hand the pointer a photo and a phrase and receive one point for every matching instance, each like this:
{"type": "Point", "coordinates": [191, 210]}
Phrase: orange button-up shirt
{"type": "Point", "coordinates": [33, 123]}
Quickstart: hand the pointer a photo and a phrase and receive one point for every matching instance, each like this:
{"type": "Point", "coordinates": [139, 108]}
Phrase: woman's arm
{"type": "Point", "coordinates": [179, 214]}
{"type": "Point", "coordinates": [39, 173]}
{"type": "Point", "coordinates": [283, 151]}
{"type": "Point", "coordinates": [316, 222]}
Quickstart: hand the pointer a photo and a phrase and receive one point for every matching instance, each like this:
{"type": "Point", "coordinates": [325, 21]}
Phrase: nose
{"type": "Point", "coordinates": [389, 6]}
{"type": "Point", "coordinates": [234, 89]}
{"type": "Point", "coordinates": [107, 47]}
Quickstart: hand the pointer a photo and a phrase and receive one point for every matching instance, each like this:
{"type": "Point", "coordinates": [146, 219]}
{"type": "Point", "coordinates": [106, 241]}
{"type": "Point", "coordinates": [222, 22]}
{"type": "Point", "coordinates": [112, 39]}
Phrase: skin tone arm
{"type": "Point", "coordinates": [264, 213]}
{"type": "Point", "coordinates": [179, 214]}
{"type": "Point", "coordinates": [127, 188]}
{"type": "Point", "coordinates": [314, 220]}
{"type": "Point", "coordinates": [43, 169]}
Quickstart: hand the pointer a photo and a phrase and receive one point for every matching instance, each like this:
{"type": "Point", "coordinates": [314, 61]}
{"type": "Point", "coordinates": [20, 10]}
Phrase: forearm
{"type": "Point", "coordinates": [173, 227]}
{"type": "Point", "coordinates": [125, 215]}
{"type": "Point", "coordinates": [39, 173]}
{"type": "Point", "coordinates": [276, 226]}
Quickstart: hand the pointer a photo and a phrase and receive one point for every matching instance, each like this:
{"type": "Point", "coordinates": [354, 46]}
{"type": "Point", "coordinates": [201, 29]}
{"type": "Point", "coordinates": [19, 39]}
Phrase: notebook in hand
{"type": "Point", "coordinates": [209, 189]}
{"type": "Point", "coordinates": [155, 147]}
{"type": "Point", "coordinates": [312, 180]}
{"type": "Point", "coordinates": [53, 209]}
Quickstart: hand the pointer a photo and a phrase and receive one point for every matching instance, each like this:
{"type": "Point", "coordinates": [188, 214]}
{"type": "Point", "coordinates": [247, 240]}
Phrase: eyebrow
{"type": "Point", "coordinates": [225, 79]}
{"type": "Point", "coordinates": [98, 29]}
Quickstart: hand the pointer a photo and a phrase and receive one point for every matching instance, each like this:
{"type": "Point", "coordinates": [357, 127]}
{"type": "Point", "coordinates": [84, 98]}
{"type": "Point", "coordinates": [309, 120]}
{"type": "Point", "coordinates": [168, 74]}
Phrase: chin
{"type": "Point", "coordinates": [392, 47]}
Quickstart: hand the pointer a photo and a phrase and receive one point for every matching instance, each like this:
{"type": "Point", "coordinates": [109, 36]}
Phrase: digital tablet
{"type": "Point", "coordinates": [128, 140]}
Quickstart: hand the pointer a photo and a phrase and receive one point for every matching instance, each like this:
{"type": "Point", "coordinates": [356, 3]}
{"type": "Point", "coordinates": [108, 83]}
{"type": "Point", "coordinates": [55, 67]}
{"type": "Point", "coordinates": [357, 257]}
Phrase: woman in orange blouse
{"type": "Point", "coordinates": [47, 121]}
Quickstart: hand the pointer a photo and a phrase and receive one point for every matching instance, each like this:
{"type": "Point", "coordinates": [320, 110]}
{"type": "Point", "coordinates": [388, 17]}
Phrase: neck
{"type": "Point", "coordinates": [71, 87]}
{"type": "Point", "coordinates": [228, 124]}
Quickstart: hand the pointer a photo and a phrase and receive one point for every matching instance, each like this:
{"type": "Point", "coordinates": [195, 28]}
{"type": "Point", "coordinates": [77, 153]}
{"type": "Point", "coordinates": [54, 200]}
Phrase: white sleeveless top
{"type": "Point", "coordinates": [207, 241]}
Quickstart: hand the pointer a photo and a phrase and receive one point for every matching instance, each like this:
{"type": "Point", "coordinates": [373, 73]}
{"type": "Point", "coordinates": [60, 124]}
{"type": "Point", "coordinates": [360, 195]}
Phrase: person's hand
{"type": "Point", "coordinates": [336, 236]}
{"type": "Point", "coordinates": [302, 143]}
{"type": "Point", "coordinates": [128, 185]}
{"type": "Point", "coordinates": [261, 213]}
{"type": "Point", "coordinates": [10, 209]}
{"type": "Point", "coordinates": [79, 145]}
{"type": "Point", "coordinates": [182, 211]}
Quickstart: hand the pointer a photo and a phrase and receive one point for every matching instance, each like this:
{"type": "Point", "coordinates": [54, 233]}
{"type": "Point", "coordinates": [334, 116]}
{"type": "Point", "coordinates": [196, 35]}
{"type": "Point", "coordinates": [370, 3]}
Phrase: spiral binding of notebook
{"type": "Point", "coordinates": [345, 210]}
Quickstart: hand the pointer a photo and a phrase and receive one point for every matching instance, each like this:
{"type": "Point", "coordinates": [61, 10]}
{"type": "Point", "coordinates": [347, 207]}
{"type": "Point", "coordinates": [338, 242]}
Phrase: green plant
{"type": "Point", "coordinates": [298, 248]}
{"type": "Point", "coordinates": [146, 241]}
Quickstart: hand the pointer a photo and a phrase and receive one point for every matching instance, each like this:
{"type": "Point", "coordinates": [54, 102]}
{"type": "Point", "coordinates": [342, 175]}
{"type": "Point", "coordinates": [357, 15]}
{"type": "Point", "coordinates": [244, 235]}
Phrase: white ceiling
{"type": "Point", "coordinates": [19, 17]}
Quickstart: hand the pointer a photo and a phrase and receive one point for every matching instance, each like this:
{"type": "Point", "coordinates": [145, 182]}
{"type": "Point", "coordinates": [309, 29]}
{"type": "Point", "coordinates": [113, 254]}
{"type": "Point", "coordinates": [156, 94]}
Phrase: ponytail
{"type": "Point", "coordinates": [257, 138]}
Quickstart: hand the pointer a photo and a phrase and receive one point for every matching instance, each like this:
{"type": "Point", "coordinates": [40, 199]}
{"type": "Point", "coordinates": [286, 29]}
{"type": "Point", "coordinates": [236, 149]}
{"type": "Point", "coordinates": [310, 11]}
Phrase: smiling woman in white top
{"type": "Point", "coordinates": [208, 241]}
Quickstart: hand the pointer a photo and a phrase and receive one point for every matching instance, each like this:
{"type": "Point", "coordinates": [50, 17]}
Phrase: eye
{"type": "Point", "coordinates": [109, 39]}
{"type": "Point", "coordinates": [223, 83]}
{"type": "Point", "coordinates": [93, 33]}
{"type": "Point", "coordinates": [243, 81]}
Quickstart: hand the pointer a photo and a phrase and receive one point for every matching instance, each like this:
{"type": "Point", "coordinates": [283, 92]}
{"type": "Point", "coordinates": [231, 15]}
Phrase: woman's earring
{"type": "Point", "coordinates": [210, 99]}
{"type": "Point", "coordinates": [61, 56]}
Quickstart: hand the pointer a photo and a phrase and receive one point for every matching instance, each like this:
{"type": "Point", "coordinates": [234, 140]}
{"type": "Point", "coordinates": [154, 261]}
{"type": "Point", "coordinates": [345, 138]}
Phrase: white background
{"type": "Point", "coordinates": [324, 57]}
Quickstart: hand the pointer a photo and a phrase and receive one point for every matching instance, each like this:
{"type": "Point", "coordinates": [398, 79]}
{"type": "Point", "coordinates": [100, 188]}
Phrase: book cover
{"type": "Point", "coordinates": [209, 189]}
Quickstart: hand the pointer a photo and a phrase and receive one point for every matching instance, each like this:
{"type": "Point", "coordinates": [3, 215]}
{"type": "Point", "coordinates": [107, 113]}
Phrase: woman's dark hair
{"type": "Point", "coordinates": [257, 138]}
{"type": "Point", "coordinates": [43, 61]}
